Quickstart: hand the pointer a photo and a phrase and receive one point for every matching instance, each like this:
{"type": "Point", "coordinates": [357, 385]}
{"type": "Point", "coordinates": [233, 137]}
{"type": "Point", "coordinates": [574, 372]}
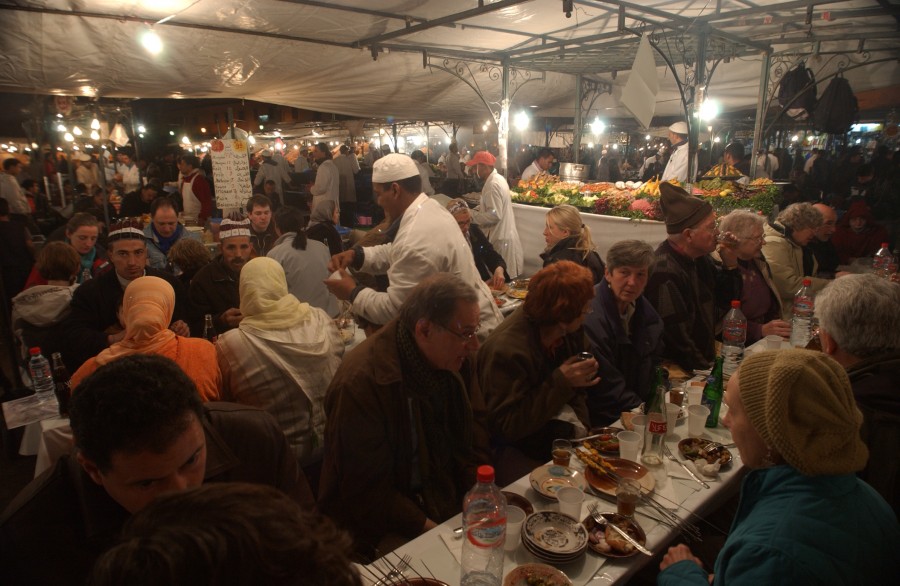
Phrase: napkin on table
{"type": "Point", "coordinates": [453, 543]}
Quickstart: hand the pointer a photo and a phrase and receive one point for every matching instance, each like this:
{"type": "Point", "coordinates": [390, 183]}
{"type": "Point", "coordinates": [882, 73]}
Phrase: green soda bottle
{"type": "Point", "coordinates": [712, 393]}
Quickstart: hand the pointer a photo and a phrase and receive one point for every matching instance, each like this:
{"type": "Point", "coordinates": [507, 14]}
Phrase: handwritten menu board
{"type": "Point", "coordinates": [231, 172]}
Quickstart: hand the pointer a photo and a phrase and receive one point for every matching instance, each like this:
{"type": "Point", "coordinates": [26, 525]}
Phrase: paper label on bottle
{"type": "Point", "coordinates": [657, 427]}
{"type": "Point", "coordinates": [488, 533]}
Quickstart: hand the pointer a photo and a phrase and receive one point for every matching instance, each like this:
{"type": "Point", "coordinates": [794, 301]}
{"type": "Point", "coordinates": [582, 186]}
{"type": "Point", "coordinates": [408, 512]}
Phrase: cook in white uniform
{"type": "Point", "coordinates": [494, 215]}
{"type": "Point", "coordinates": [678, 162]}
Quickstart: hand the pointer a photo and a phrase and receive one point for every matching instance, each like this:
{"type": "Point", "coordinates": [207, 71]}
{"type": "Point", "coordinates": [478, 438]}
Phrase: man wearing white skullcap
{"type": "Point", "coordinates": [423, 240]}
{"type": "Point", "coordinates": [677, 168]}
{"type": "Point", "coordinates": [215, 289]}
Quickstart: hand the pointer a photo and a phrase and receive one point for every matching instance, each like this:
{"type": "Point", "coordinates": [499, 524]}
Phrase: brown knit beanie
{"type": "Point", "coordinates": [681, 209]}
{"type": "Point", "coordinates": [801, 404]}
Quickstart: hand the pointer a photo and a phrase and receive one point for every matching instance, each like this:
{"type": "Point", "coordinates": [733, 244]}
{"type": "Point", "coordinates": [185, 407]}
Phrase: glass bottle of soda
{"type": "Point", "coordinates": [209, 330]}
{"type": "Point", "coordinates": [62, 387]}
{"type": "Point", "coordinates": [712, 393]}
{"type": "Point", "coordinates": [655, 432]}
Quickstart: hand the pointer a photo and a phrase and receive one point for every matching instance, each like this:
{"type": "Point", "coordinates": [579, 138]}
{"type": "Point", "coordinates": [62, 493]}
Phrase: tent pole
{"type": "Point", "coordinates": [761, 108]}
{"type": "Point", "coordinates": [579, 120]}
{"type": "Point", "coordinates": [503, 123]}
{"type": "Point", "coordinates": [698, 95]}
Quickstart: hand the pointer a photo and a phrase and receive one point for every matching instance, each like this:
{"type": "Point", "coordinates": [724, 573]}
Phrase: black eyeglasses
{"type": "Point", "coordinates": [464, 336]}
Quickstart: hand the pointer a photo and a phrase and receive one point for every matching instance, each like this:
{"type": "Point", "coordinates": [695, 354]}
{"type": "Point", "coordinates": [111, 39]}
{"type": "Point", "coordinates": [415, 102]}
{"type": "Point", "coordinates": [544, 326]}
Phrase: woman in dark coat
{"type": "Point", "coordinates": [568, 238]}
{"type": "Point", "coordinates": [322, 226]}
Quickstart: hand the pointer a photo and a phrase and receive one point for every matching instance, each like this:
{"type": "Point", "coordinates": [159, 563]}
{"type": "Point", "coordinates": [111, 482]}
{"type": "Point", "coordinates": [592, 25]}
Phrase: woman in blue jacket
{"type": "Point", "coordinates": [804, 516]}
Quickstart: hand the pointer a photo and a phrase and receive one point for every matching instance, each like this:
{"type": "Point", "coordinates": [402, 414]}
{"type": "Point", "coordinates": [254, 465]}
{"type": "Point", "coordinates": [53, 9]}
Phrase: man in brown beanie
{"type": "Point", "coordinates": [804, 516]}
{"type": "Point", "coordinates": [687, 290]}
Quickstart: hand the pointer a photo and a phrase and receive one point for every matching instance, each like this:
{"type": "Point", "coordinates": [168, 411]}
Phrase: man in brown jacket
{"type": "Point", "coordinates": [404, 429]}
{"type": "Point", "coordinates": [140, 430]}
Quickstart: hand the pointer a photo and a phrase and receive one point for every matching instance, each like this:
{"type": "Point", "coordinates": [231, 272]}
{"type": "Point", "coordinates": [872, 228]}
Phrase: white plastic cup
{"type": "Point", "coordinates": [773, 342]}
{"type": "Point", "coordinates": [629, 445]}
{"type": "Point", "coordinates": [694, 394]}
{"type": "Point", "coordinates": [697, 415]}
{"type": "Point", "coordinates": [514, 519]}
{"type": "Point", "coordinates": [570, 499]}
{"type": "Point", "coordinates": [672, 411]}
{"type": "Point", "coordinates": [640, 425]}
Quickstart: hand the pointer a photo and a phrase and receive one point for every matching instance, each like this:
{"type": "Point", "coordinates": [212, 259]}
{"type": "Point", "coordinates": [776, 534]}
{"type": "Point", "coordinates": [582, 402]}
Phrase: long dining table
{"type": "Point", "coordinates": [432, 557]}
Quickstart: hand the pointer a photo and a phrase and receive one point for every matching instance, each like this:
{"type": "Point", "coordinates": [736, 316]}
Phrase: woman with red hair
{"type": "Point", "coordinates": [529, 369]}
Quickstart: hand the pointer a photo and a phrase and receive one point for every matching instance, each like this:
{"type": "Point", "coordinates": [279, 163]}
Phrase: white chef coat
{"type": "Point", "coordinates": [494, 215]}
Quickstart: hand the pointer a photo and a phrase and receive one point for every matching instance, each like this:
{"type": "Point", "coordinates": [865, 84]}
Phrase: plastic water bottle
{"type": "Point", "coordinates": [802, 315]}
{"type": "Point", "coordinates": [734, 336]}
{"type": "Point", "coordinates": [484, 528]}
{"type": "Point", "coordinates": [884, 262]}
{"type": "Point", "coordinates": [41, 376]}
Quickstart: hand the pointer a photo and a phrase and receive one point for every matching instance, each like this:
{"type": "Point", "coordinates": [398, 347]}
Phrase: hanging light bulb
{"type": "Point", "coordinates": [95, 124]}
{"type": "Point", "coordinates": [68, 136]}
{"type": "Point", "coordinates": [151, 42]}
{"type": "Point", "coordinates": [185, 140]}
{"type": "Point", "coordinates": [95, 135]}
{"type": "Point", "coordinates": [61, 128]}
{"type": "Point", "coordinates": [76, 131]}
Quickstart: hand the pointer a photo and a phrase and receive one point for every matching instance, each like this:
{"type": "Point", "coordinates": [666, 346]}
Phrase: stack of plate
{"type": "Point", "coordinates": [554, 537]}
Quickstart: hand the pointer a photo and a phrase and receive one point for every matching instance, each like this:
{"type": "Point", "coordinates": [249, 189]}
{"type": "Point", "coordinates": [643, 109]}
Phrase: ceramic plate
{"type": "Point", "coordinates": [517, 500]}
{"type": "Point", "coordinates": [607, 443]}
{"type": "Point", "coordinates": [690, 449]}
{"type": "Point", "coordinates": [528, 574]}
{"type": "Point", "coordinates": [555, 533]}
{"type": "Point", "coordinates": [548, 479]}
{"type": "Point", "coordinates": [629, 525]}
{"type": "Point", "coordinates": [626, 468]}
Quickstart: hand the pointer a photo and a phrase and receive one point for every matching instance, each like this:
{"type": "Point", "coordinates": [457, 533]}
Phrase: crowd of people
{"type": "Point", "coordinates": [383, 440]}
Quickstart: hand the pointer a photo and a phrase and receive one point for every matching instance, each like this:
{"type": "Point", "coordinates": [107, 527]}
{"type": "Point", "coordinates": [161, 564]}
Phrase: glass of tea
{"type": "Point", "coordinates": [562, 452]}
{"type": "Point", "coordinates": [628, 491]}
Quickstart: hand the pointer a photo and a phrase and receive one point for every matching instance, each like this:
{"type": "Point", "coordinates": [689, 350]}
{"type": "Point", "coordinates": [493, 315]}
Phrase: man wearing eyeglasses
{"type": "Point", "coordinates": [686, 289]}
{"type": "Point", "coordinates": [405, 419]}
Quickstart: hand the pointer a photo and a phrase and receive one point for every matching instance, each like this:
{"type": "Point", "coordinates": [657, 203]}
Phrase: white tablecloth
{"type": "Point", "coordinates": [431, 556]}
{"type": "Point", "coordinates": [605, 231]}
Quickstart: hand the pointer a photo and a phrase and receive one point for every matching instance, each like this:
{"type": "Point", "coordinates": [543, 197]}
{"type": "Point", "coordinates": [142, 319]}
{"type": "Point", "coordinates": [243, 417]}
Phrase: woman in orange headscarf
{"type": "Point", "coordinates": [146, 312]}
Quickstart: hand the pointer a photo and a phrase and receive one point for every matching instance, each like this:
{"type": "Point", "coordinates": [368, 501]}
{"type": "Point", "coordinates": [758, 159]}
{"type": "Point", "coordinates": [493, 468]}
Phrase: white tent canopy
{"type": "Point", "coordinates": [319, 55]}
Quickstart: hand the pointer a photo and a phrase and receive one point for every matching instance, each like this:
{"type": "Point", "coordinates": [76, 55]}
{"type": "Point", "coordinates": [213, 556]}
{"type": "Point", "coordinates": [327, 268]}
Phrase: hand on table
{"type": "Point", "coordinates": [497, 280]}
{"type": "Point", "coordinates": [181, 329]}
{"type": "Point", "coordinates": [341, 288]}
{"type": "Point", "coordinates": [677, 554]}
{"type": "Point", "coordinates": [777, 327]}
{"type": "Point", "coordinates": [580, 373]}
{"type": "Point", "coordinates": [342, 260]}
{"type": "Point", "coordinates": [232, 317]}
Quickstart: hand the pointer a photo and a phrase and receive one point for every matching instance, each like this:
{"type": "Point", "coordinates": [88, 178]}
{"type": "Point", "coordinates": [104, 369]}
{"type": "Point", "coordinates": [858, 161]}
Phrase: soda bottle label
{"type": "Point", "coordinates": [657, 427]}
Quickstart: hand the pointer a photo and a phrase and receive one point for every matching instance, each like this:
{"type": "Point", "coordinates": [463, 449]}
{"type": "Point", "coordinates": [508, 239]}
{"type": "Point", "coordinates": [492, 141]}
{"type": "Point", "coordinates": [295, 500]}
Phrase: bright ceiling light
{"type": "Point", "coordinates": [76, 131]}
{"type": "Point", "coordinates": [95, 124]}
{"type": "Point", "coordinates": [68, 136]}
{"type": "Point", "coordinates": [709, 110]}
{"type": "Point", "coordinates": [647, 137]}
{"type": "Point", "coordinates": [95, 135]}
{"type": "Point", "coordinates": [61, 128]}
{"type": "Point", "coordinates": [597, 126]}
{"type": "Point", "coordinates": [151, 42]}
{"type": "Point", "coordinates": [521, 121]}
{"type": "Point", "coordinates": [185, 140]}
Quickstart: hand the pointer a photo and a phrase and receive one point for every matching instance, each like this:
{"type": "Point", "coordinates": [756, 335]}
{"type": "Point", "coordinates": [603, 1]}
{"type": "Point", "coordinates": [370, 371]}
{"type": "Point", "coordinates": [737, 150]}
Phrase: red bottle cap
{"type": "Point", "coordinates": [735, 304]}
{"type": "Point", "coordinates": [35, 351]}
{"type": "Point", "coordinates": [807, 282]}
{"type": "Point", "coordinates": [884, 244]}
{"type": "Point", "coordinates": [485, 474]}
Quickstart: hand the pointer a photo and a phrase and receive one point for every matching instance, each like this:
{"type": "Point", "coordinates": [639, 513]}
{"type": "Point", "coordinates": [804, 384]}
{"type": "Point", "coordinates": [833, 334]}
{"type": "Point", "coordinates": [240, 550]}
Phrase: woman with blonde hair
{"type": "Point", "coordinates": [568, 238]}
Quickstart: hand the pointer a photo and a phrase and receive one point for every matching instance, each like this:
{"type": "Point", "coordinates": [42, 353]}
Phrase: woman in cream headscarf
{"type": "Point", "coordinates": [146, 312]}
{"type": "Point", "coordinates": [282, 357]}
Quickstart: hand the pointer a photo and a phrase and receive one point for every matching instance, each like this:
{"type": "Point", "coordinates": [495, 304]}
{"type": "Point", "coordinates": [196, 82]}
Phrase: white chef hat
{"type": "Point", "coordinates": [679, 128]}
{"type": "Point", "coordinates": [393, 167]}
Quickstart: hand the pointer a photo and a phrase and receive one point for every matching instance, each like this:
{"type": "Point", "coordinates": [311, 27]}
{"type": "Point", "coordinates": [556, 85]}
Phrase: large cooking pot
{"type": "Point", "coordinates": [574, 171]}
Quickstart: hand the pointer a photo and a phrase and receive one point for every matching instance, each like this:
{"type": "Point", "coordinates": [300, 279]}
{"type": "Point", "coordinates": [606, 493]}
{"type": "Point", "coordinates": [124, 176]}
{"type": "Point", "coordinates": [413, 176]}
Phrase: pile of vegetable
{"type": "Point", "coordinates": [639, 200]}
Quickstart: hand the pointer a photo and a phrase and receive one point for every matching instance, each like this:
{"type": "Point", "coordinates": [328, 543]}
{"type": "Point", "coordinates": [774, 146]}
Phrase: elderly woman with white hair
{"type": "Point", "coordinates": [742, 232]}
{"type": "Point", "coordinates": [859, 326]}
{"type": "Point", "coordinates": [804, 516]}
{"type": "Point", "coordinates": [785, 250]}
